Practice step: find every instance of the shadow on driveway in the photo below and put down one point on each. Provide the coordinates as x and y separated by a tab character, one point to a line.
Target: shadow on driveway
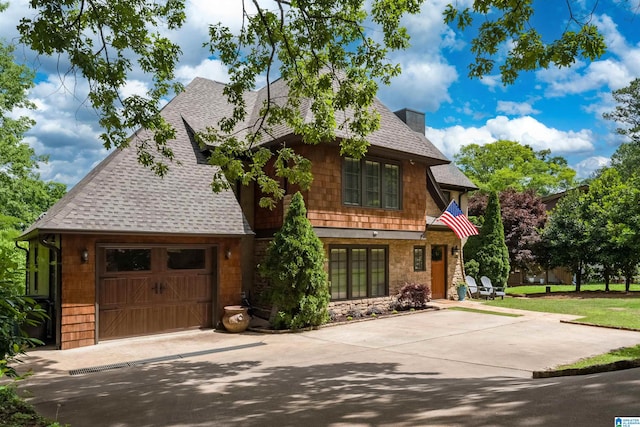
201	393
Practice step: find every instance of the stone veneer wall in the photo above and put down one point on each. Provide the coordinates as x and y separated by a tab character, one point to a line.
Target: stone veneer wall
400	265
343	308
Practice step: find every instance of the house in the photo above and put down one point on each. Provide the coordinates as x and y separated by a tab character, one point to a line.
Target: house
127	253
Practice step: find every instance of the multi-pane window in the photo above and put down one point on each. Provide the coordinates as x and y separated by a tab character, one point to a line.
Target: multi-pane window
351	182
419	263
358	271
371	183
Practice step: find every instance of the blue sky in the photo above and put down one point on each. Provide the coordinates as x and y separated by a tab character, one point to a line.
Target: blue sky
556	109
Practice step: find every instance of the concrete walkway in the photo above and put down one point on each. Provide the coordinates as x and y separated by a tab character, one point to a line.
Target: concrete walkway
440	367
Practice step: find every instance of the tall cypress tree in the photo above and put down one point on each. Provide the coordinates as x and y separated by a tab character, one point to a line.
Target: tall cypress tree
492	254
294	268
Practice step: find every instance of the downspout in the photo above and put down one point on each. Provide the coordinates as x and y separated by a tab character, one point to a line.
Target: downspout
26	276
57	303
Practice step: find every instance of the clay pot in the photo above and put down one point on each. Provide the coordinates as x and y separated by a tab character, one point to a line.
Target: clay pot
236	318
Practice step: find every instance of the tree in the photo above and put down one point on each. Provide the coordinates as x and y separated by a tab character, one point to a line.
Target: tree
319	49
23	196
294	269
597	212
507	164
523	216
566	235
623	226
491	252
627	114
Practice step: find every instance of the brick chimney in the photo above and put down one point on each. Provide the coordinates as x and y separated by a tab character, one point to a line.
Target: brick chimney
414	119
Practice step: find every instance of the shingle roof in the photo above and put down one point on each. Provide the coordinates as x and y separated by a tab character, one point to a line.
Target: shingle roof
393	133
450	175
120	195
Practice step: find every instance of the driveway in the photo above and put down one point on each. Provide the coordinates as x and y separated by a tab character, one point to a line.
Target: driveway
441	367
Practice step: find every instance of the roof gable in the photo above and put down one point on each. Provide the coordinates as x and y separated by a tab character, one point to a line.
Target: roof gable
122	196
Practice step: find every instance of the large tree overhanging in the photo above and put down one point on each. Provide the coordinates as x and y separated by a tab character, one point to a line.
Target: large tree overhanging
299	41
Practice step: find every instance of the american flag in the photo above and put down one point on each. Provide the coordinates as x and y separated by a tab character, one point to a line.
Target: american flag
456	220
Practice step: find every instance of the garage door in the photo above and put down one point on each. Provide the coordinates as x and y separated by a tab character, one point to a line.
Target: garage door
147	290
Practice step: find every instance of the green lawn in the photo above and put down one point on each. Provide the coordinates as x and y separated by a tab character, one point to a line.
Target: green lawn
541	289
627	353
615	312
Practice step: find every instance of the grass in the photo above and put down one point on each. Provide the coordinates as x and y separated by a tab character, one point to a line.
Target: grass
626	353
541	289
475	310
611	312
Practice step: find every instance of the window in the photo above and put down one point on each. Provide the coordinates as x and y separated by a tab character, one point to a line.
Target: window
371	183
419	258
358	271
185	259
447	196
128	260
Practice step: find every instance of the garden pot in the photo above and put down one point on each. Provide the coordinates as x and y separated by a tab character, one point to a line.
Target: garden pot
462	292
236	318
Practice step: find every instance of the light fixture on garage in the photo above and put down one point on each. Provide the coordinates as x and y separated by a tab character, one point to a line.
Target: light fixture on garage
227	253
455	250
84	256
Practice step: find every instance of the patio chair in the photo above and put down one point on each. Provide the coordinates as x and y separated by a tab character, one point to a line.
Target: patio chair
472	286
496	291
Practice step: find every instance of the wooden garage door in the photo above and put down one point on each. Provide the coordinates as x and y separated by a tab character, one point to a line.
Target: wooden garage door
147	290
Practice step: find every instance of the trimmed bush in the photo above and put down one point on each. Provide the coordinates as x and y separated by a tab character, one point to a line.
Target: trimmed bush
294	268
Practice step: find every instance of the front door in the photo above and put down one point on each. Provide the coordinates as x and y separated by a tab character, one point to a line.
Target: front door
154	289
438	271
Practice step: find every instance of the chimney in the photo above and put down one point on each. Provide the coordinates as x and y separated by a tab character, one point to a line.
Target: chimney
414	119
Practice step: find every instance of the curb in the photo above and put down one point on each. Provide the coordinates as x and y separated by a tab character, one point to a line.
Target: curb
620	328
609	367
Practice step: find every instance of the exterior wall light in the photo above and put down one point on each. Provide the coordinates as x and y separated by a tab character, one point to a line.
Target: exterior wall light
84	256
227	254
455	251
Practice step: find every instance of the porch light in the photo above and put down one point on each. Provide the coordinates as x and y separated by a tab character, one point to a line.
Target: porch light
84	256
227	254
454	250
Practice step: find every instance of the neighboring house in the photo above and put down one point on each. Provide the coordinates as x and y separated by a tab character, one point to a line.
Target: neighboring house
128	253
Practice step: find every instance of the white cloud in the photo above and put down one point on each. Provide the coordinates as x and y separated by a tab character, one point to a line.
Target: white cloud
588	166
426	73
526	130
516	108
208	68
423	85
529	131
613	72
492	82
450	140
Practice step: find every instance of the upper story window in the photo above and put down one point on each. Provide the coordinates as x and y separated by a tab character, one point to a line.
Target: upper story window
371	183
447	196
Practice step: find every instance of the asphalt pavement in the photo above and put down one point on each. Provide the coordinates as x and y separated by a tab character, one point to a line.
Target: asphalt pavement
433	368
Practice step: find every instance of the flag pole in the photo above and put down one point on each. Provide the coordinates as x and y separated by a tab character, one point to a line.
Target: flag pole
427	225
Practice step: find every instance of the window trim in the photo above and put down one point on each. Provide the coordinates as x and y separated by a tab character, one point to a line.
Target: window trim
382	189
423	257
369	270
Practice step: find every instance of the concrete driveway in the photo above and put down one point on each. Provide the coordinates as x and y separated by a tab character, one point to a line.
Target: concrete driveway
441	367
